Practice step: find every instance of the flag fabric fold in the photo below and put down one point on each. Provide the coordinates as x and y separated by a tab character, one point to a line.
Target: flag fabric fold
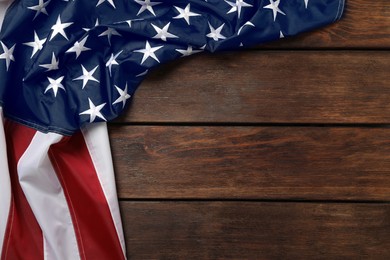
5	183
63	203
67	63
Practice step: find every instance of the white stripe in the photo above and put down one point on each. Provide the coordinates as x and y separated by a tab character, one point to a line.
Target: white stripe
4	4
46	197
5	183
97	141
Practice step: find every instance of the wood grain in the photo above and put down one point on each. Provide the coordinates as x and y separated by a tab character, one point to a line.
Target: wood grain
268	86
252	230
365	24
232	192
310	163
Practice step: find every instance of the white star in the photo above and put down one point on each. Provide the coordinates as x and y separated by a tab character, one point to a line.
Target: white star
281	35
236	7
246	24
274	6
87	76
129	22
59	27
189	51
37	44
123	96
94	111
53	65
163	33
185	13
79	47
55	84
40	8
112	61
216	33
96	24
149	52
110	1
8	54
109	32
306	3
146	5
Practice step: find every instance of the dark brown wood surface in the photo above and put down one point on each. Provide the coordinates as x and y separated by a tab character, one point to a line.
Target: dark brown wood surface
312	163
254	230
268	86
277	152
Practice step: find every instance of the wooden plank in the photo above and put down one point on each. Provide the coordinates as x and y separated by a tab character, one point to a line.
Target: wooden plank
365	24
314	163
268	86
252	230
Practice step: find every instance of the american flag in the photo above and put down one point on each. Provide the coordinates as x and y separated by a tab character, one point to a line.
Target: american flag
67	63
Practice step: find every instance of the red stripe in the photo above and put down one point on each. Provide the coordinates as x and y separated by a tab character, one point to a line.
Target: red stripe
95	229
23	238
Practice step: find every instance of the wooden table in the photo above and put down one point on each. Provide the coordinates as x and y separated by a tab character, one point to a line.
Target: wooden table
278	152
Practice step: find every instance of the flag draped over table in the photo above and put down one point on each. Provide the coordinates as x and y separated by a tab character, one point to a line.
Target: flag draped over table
67	63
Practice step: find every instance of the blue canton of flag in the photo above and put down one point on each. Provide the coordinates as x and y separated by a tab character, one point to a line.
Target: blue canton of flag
64	63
